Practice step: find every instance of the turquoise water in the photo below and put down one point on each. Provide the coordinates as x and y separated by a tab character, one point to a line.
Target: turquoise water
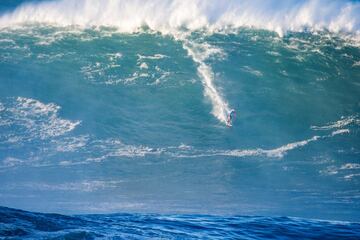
97	120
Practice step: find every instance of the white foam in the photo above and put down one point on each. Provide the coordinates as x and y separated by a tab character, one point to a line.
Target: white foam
184	147
340	131
356	64
154	57
348	166
271	153
114	56
133	151
95	150
350	176
81	186
113	148
70	144
170	15
200	52
130	79
273	53
330	170
278	152
252	71
2	108
8	41
37	119
164	75
143	66
343	122
11	162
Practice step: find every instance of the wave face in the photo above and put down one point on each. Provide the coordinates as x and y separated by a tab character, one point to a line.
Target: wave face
121	106
21	224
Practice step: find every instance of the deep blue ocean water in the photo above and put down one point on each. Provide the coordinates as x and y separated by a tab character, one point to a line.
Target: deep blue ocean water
121	106
28	225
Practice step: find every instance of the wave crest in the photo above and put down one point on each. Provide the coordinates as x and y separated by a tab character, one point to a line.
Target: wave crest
167	16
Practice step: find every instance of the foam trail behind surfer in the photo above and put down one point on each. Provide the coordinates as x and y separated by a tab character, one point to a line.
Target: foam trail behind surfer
200	52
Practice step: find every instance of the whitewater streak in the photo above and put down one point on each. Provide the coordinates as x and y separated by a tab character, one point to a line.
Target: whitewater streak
199	52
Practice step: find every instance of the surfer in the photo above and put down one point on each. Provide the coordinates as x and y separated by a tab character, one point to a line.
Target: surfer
231	117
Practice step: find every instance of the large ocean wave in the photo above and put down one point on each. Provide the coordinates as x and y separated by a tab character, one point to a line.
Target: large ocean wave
113	106
178	18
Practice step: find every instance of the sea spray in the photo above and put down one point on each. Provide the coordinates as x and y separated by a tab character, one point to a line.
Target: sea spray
168	16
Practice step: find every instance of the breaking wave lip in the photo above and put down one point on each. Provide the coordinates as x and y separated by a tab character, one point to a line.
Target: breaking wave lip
167	16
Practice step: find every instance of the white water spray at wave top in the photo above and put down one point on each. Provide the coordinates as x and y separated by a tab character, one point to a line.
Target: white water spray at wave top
168	16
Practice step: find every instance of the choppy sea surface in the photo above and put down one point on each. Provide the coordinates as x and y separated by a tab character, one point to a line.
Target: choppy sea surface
121	107
17	224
